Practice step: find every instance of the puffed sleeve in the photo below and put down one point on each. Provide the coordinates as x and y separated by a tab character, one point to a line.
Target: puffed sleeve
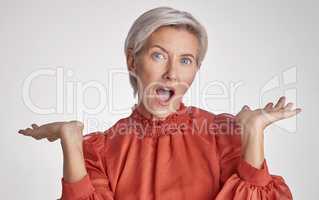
95	185
239	179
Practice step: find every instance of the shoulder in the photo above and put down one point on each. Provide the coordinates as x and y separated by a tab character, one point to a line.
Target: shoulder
197	111
94	143
222	126
221	120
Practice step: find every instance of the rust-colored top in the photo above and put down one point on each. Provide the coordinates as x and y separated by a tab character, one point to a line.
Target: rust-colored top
192	154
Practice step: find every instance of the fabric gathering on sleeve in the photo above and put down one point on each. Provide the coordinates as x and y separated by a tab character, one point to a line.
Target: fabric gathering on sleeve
239	179
95	184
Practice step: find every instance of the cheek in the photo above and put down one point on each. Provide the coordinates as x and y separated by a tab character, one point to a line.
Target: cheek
149	71
188	75
148	76
186	79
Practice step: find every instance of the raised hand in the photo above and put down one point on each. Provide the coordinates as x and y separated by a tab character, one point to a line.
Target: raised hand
261	118
253	123
52	131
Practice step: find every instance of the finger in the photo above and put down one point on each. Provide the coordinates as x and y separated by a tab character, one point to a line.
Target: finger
292	113
298	110
21	131
288	106
269	106
34	126
29	131
51	139
283	114
245	107
280	103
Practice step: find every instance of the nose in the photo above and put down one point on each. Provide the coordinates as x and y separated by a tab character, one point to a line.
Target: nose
171	72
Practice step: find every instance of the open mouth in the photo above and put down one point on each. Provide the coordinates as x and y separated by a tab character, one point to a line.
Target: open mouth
165	93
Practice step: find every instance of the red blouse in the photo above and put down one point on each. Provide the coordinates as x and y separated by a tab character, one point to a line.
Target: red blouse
192	154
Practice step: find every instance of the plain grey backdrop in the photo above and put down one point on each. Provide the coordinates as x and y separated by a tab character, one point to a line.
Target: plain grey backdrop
63	60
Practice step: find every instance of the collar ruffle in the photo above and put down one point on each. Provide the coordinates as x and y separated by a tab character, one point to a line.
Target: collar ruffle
177	122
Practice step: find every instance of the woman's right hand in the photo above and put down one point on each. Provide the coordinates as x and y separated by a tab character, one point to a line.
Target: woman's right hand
54	131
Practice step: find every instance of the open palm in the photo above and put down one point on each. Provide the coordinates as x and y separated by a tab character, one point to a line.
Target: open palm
52	131
263	117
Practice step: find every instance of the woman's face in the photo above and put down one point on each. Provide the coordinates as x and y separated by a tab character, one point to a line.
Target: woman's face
165	69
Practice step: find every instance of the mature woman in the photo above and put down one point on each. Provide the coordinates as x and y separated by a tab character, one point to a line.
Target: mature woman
165	149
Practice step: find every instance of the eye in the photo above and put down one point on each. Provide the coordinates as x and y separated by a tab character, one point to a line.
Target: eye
158	56
186	61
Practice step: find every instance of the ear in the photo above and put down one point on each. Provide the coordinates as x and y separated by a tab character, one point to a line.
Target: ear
130	60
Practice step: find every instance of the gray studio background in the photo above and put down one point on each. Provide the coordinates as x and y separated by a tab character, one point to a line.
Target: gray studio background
63	60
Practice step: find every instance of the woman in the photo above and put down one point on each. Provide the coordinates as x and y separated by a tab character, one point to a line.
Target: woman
165	149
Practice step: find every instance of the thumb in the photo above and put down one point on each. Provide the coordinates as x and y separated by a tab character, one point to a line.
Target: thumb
245	107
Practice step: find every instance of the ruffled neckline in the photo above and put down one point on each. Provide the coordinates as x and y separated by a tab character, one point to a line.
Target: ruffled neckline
175	122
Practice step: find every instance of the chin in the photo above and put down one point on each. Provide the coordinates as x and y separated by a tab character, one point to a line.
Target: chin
159	110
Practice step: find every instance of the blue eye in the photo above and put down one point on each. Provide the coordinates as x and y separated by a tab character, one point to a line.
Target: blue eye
157	56
186	61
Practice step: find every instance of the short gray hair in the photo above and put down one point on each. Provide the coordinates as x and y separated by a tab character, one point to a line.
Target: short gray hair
155	18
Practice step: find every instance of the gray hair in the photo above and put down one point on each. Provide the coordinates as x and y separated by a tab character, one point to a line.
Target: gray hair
155	18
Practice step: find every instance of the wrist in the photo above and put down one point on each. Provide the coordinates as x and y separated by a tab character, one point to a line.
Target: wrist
71	132
253	151
253	128
73	138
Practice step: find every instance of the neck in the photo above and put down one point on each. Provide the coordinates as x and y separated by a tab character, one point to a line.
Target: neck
149	115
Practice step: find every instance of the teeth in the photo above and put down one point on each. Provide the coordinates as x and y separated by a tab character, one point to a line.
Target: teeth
163	88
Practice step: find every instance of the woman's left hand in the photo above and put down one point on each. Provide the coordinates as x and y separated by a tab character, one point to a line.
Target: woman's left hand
253	124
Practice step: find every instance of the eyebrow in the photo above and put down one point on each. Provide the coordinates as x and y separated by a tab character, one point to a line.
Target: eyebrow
158	46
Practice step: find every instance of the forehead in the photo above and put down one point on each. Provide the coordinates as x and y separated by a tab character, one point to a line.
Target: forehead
174	40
